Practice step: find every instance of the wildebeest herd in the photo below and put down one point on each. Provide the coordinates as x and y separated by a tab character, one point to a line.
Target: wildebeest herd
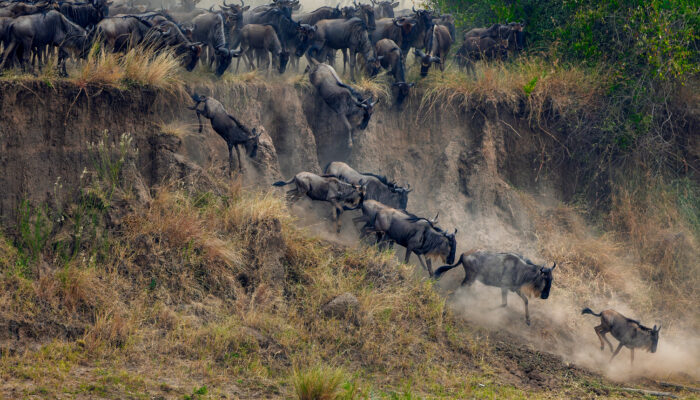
370	37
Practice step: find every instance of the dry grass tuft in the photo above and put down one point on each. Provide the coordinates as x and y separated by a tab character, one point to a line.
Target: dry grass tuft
379	87
175	128
542	85
140	66
318	383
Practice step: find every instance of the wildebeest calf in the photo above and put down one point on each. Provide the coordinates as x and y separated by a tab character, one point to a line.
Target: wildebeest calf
262	39
630	333
325	188
509	271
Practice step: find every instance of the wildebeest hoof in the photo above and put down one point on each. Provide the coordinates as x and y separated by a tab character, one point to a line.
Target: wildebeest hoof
527	322
349	144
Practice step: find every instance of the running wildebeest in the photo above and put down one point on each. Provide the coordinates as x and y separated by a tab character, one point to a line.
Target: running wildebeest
509	271
228	127
418	235
378	187
325	188
341	98
630	333
47	29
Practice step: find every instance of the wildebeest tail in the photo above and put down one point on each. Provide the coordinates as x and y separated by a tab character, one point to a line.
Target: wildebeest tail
446	268
589	311
283	183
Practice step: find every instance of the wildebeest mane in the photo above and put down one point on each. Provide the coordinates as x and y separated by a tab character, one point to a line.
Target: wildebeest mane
383	179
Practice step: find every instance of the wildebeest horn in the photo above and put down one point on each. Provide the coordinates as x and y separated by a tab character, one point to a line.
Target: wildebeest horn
396	22
242	3
436	217
413	8
554	266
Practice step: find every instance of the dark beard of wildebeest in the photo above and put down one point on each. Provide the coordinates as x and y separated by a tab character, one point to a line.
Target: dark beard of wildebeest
350	35
384	9
341	98
85	14
228	127
438	45
378	187
324	188
391	59
209	29
509	271
479	48
630	333
167	35
418	235
39	30
233	21
261	39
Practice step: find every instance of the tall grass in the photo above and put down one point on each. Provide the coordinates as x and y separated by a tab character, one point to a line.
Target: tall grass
139	66
318	383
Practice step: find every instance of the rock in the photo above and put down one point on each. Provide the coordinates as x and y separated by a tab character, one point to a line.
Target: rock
341	305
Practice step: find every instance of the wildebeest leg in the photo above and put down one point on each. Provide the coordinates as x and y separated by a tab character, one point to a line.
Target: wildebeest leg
337	211
238	156
619	346
601	331
527	311
407	257
352	61
504	297
430	266
344	118
632	353
422	263
62	55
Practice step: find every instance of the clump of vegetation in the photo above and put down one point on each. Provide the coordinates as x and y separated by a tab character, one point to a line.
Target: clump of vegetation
318	383
141	66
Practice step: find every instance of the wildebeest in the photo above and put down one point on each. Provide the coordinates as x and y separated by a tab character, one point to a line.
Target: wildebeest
209	29
630	333
438	47
318	14
17	9
416	38
341	98
47	29
85	14
262	39
325	188
418	235
350	35
447	20
391	59
512	32
365	12
122	33
509	271
479	48
384	8
378	187
228	127
167	35
395	29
